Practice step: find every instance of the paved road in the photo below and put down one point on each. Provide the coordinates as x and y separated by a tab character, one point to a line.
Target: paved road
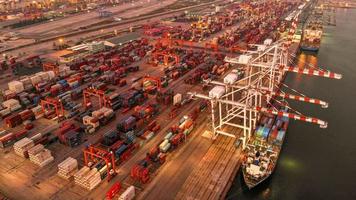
46	43
74	22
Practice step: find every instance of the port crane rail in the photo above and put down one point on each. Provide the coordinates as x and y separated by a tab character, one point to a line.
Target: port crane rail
244	100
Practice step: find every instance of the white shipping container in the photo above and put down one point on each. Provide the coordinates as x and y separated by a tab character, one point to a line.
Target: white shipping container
8	92
177	99
5	112
16	86
15	108
51	74
25	80
217	92
129	194
44	76
11	103
165	148
261	47
230	78
268	41
244	59
35	79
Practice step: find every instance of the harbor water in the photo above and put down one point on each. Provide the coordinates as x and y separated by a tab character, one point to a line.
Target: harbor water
318	163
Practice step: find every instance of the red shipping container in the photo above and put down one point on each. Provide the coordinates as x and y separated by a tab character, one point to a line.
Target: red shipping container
156	128
21	134
27	115
151	125
13	120
7	139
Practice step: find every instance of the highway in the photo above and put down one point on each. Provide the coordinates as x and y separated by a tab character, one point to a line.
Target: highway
73	23
44	45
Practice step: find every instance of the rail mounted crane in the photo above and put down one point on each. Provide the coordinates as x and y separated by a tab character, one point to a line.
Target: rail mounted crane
167	41
94	155
51	67
89	92
148	86
166	57
52	104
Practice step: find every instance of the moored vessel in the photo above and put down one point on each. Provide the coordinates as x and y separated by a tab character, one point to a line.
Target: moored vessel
263	149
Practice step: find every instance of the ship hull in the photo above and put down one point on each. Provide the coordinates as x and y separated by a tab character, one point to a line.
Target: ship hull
310	49
252	181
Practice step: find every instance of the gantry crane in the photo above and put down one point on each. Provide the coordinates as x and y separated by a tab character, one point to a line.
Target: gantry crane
89	92
241	102
51	67
155	80
167	41
53	104
166	56
94	155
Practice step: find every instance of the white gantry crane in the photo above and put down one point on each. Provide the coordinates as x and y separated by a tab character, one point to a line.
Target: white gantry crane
238	101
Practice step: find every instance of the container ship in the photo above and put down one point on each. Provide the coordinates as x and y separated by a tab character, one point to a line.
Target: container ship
262	151
312	34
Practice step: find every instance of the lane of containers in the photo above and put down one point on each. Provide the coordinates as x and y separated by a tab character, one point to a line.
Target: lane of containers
175	137
68	85
261	20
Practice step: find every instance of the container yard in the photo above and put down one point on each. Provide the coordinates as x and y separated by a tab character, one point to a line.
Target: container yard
147	99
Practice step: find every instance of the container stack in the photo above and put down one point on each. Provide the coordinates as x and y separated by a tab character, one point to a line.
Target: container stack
22	146
35	79
38	112
40	156
87	178
27	84
24	99
104	115
12	104
67	168
44	76
91	123
64	71
16	86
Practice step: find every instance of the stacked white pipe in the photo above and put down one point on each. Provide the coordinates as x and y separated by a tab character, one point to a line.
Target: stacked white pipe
40	156
67	168
87	178
11	105
16	86
22	146
42	77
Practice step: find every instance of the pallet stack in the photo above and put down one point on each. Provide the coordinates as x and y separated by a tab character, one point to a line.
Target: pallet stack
22	146
67	168
40	156
87	178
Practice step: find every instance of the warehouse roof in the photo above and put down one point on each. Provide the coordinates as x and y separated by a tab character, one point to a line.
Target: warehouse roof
123	39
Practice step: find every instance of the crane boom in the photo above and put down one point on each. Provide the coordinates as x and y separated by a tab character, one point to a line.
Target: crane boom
314	72
323	124
297	98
